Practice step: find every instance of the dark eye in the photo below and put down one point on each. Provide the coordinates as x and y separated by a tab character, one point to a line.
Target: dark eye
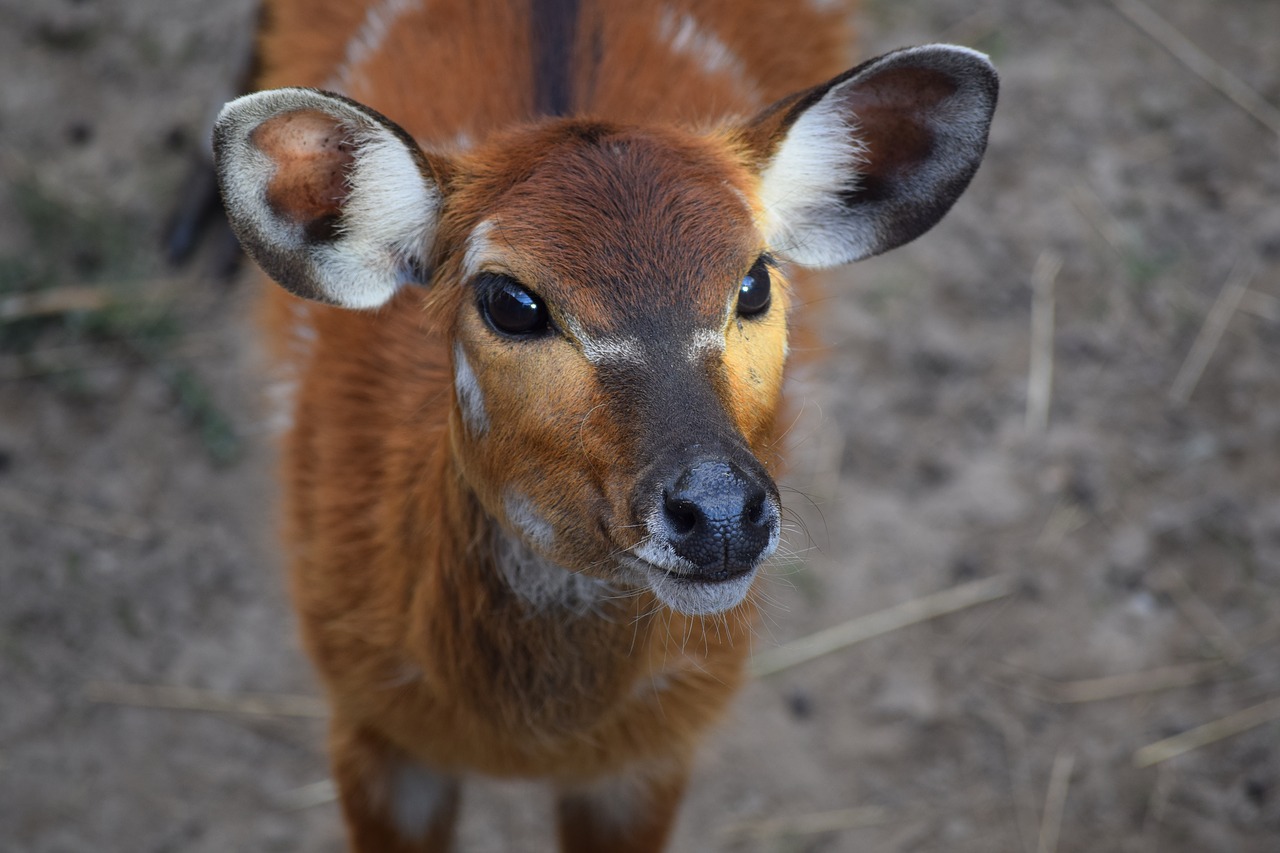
753	296
511	308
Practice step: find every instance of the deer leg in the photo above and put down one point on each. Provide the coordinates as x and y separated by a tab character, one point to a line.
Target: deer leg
626	814
391	803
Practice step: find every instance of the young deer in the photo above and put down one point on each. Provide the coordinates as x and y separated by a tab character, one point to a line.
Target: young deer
539	361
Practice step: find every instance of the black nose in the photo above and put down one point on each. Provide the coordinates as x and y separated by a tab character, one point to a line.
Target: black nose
719	518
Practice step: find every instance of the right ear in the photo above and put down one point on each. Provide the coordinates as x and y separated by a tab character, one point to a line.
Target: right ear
334	201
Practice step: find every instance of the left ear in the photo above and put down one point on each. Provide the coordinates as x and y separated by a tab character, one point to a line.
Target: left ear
874	158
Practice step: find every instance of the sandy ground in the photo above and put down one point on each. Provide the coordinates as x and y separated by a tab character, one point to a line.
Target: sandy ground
1140	527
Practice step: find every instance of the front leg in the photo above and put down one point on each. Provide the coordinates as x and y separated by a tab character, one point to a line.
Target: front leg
391	803
631	813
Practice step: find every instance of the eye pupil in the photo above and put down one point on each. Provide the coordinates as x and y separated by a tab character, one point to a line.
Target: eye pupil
511	308
753	295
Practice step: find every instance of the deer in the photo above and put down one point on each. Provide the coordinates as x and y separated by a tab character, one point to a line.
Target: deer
538	263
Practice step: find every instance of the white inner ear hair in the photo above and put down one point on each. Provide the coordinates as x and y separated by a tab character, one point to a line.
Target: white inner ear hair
800	189
385	226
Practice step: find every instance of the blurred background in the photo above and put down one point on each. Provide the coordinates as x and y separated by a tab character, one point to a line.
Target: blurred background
1069	391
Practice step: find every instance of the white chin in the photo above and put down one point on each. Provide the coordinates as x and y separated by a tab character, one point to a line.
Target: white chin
695	597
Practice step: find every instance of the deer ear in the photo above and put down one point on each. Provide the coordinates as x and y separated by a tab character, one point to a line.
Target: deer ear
873	158
334	201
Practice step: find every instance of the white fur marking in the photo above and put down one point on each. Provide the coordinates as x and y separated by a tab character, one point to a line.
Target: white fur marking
703	341
528	523
606	350
479	249
541	583
368	40
416	797
470	396
612	350
616	799
681	33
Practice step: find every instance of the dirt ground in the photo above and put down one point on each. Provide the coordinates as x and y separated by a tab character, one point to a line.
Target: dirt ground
1140	522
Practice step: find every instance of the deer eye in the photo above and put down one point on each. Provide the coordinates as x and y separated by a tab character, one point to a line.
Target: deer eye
511	308
753	295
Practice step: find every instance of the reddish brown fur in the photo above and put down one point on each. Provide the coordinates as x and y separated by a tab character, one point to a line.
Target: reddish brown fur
410	624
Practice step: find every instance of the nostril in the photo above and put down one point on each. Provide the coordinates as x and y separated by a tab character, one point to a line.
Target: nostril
683	514
754	510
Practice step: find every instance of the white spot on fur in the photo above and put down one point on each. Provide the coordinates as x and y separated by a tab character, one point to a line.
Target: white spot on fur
416	797
542	584
470	396
368	40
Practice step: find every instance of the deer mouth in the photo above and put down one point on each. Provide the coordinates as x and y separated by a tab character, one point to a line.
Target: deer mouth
688	590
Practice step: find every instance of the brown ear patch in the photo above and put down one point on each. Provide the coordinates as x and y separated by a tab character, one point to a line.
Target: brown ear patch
313	154
893	111
894	114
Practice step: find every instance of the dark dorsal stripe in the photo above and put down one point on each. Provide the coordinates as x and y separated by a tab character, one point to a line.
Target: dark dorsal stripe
553	30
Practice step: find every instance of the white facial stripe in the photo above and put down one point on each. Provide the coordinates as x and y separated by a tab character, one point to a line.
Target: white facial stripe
606	350
470	397
479	249
416	797
612	350
704	341
368	40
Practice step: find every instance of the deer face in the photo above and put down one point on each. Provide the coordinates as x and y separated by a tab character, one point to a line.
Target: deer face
619	352
619	312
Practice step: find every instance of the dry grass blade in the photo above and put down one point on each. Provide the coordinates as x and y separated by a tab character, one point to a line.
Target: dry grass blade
873	625
309	796
1132	684
1262	305
1201	615
1237	723
1055	801
1200	63
58	300
1040	372
1224	308
810	824
192	699
1112	232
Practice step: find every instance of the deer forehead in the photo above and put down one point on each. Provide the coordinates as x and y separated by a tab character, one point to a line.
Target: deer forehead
623	233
